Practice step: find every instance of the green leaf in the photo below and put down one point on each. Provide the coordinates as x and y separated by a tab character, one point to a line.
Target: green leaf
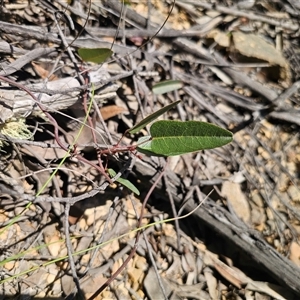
124	182
152	117
169	138
95	55
144	145
167	86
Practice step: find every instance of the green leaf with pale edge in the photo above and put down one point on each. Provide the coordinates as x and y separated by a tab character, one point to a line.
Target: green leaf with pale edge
152	117
124	182
169	138
144	143
167	86
95	55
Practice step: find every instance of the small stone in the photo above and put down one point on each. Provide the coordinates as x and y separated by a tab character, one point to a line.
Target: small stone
9	266
294	193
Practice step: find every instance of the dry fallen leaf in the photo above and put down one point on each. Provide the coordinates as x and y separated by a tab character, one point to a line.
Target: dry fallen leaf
92	283
220	37
152	287
211	283
253	45
295	253
42	72
233	193
110	111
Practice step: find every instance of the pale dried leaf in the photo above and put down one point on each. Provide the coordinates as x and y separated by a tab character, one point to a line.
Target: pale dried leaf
42	72
175	269
211	283
92	283
110	111
152	286
252	45
220	37
67	284
188	261
38	278
295	253
233	193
